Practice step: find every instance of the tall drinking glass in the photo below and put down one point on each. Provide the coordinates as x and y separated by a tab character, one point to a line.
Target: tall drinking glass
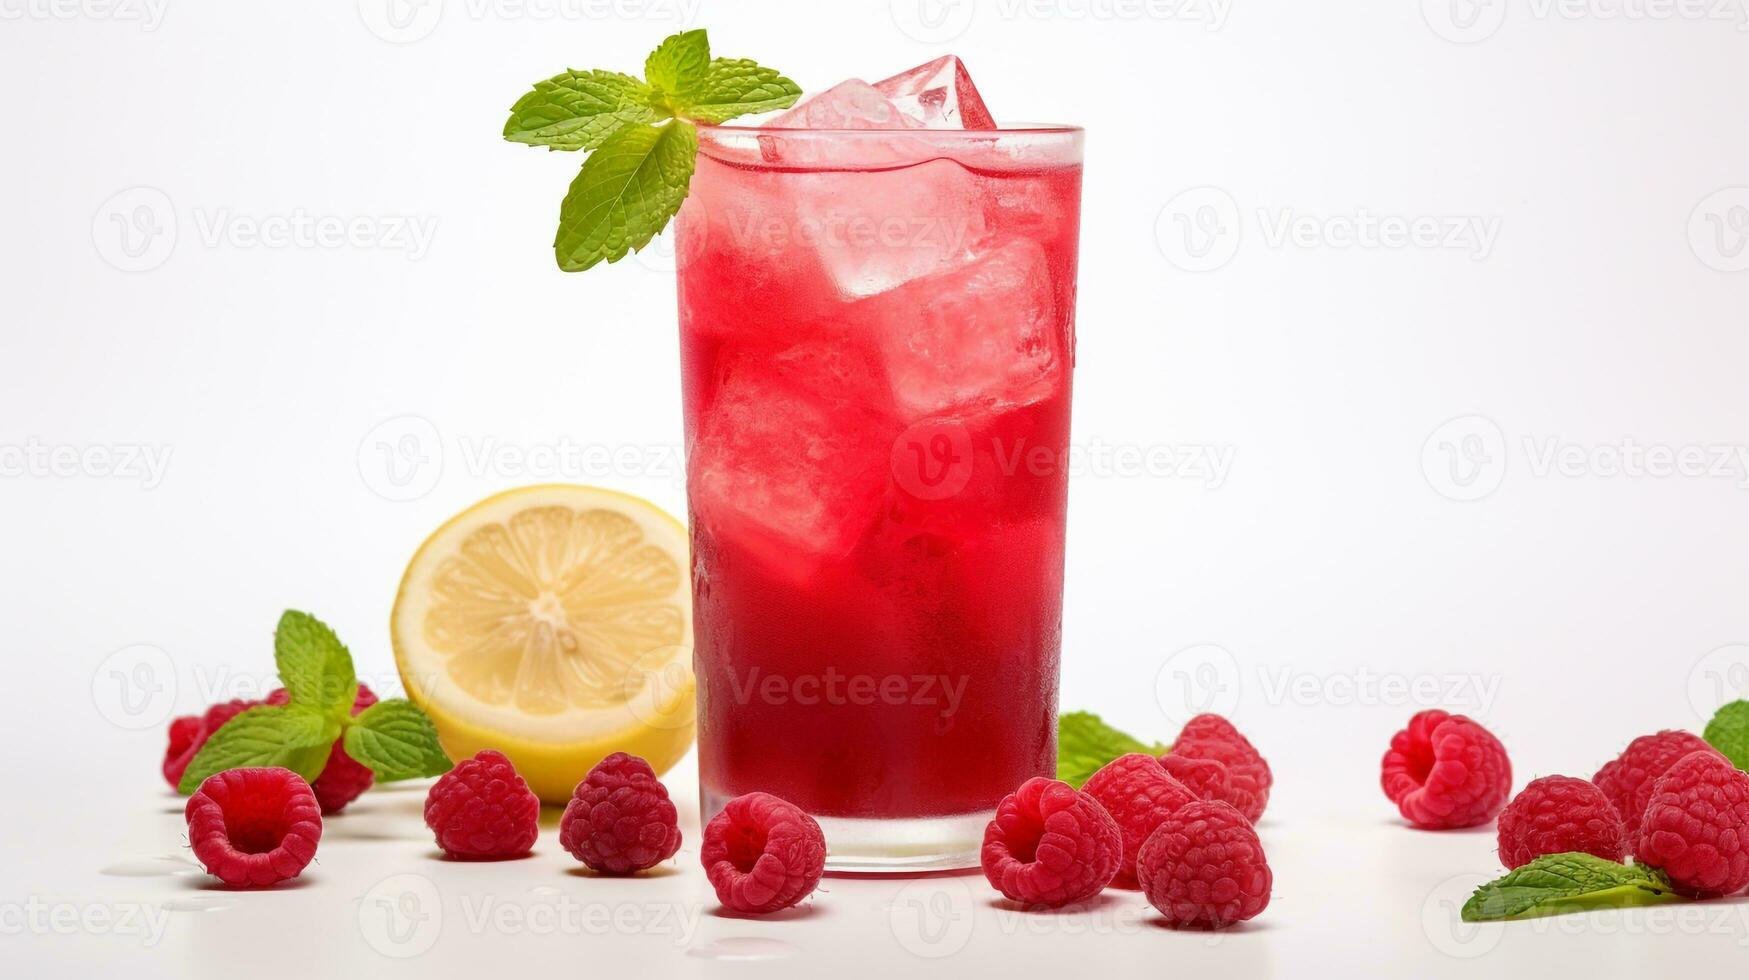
877	336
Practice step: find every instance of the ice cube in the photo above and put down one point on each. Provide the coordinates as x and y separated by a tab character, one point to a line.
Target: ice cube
790	461
984	336
885	227
854	104
938	95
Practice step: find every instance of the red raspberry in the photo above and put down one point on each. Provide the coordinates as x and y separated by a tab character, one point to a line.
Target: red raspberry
1205	777
1697	826
254	827
190	732
620	819
1445	771
343	778
1559	815
1628	780
1213	738
1050	845
1138	793
482	810
1204	866
762	854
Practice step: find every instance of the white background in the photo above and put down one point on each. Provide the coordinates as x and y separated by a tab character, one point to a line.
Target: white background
1355	559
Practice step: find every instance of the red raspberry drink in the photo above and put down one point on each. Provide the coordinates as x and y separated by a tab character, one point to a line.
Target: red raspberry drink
877	333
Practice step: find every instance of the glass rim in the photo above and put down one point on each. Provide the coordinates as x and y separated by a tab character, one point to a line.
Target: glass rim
1018	129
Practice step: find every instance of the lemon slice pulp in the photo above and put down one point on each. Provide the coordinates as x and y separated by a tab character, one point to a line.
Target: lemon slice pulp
552	623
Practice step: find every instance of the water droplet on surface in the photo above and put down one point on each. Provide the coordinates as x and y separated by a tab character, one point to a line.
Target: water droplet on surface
152	867
743	949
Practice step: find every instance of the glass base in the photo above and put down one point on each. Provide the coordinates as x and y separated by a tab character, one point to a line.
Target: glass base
893	845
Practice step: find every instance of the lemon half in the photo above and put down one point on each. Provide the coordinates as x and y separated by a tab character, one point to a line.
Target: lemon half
554	624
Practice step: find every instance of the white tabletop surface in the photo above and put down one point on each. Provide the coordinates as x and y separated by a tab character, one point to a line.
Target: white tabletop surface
1361	894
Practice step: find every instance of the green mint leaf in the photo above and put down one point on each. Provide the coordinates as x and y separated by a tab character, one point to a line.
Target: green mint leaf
732	87
1555	884
397	741
297	737
579	109
1729	733
314	665
1085	743
628	189
678	62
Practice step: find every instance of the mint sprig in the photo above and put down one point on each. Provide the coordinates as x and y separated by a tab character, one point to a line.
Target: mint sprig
393	738
1556	884
641	139
1085	743
1729	733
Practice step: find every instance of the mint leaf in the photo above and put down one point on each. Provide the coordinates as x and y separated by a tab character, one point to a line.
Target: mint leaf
732	87
314	665
629	188
1729	733
1556	884
578	110
397	741
678	62
1085	743
297	737
637	172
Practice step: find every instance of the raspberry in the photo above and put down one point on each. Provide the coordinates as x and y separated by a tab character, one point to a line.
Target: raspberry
1445	771
1559	815
1050	845
1138	793
343	779
1697	826
762	854
1214	739
190	732
1628	780
254	827
482	810
620	819
1204	866
1205	777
